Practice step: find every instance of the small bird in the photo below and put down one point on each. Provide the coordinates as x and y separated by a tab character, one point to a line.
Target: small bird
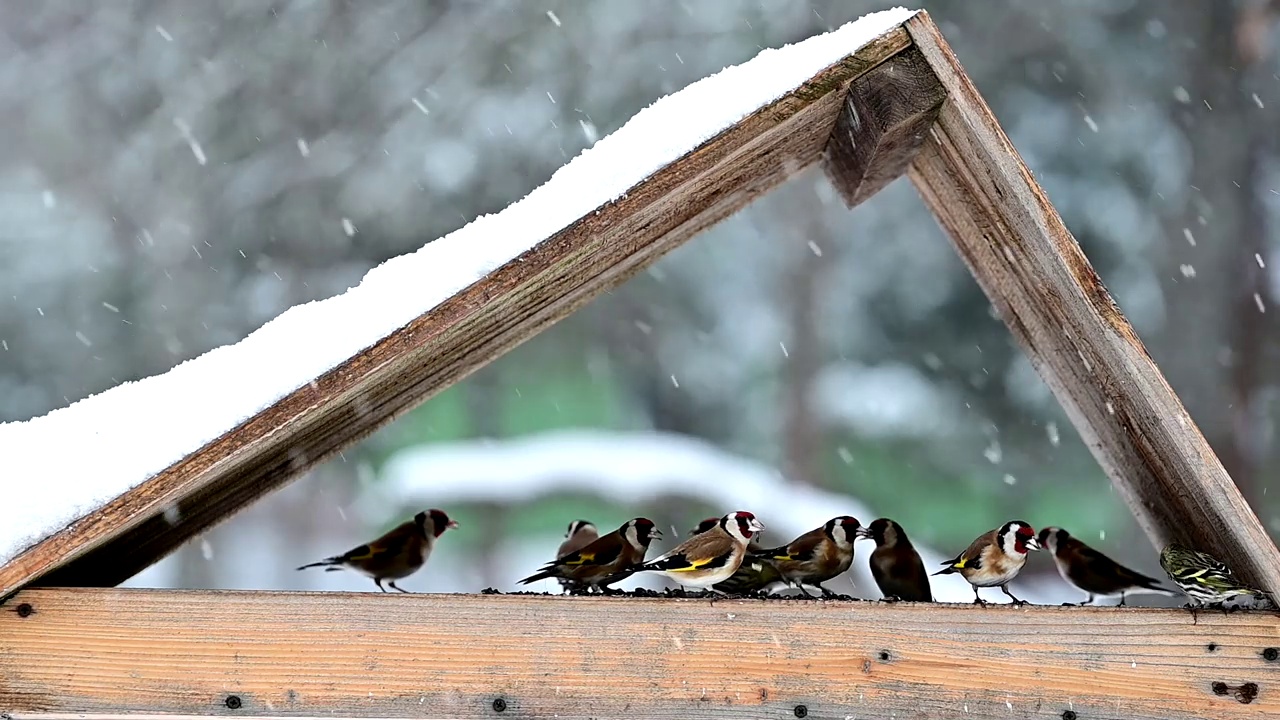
709	557
580	534
399	553
1208	581
994	558
605	560
753	574
816	556
895	565
1091	571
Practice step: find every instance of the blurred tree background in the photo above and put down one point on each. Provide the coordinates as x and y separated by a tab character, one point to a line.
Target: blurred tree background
177	173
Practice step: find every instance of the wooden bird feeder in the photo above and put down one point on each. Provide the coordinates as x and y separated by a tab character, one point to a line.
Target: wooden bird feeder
74	646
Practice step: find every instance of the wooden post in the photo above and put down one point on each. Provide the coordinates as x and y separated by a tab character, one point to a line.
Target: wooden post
1058	310
97	653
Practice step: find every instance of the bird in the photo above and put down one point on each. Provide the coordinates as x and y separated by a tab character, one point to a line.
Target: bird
816	556
580	534
994	558
754	574
605	560
1091	571
895	565
709	557
399	553
1208	581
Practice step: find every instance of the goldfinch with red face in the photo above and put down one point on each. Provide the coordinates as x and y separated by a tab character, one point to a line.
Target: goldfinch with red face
753	574
994	559
579	535
710	557
816	556
399	553
1091	571
605	560
895	565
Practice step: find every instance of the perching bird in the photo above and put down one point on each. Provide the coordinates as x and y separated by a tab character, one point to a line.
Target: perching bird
895	565
994	558
605	560
396	555
753	574
580	534
1207	580
816	556
710	557
1091	571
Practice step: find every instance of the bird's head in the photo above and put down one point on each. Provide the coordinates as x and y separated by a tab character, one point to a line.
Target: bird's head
842	530
434	522
1017	537
705	525
578	526
640	531
1052	537
884	531
741	524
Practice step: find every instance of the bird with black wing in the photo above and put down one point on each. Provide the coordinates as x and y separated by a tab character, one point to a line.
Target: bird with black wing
994	559
396	555
1091	571
710	557
605	560
895	565
1206	580
816	556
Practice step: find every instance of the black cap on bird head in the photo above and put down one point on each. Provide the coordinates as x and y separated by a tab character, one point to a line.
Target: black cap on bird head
434	522
578	525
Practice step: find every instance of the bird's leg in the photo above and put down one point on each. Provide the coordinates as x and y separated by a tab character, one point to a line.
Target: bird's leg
977	599
826	593
892	599
1121	600
1016	601
804	590
393	584
378	582
1088	600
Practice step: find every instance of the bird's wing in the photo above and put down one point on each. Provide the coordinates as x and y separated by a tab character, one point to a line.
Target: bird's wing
703	552
601	552
801	549
971	558
389	545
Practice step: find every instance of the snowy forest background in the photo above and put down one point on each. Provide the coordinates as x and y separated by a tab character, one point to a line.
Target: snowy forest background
177	173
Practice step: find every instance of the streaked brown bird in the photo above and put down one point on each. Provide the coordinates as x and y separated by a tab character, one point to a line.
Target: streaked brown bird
399	553
994	559
710	557
895	565
752	575
816	556
605	560
580	534
1091	571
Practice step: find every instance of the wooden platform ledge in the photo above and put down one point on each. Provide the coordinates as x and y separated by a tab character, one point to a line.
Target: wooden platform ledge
93	652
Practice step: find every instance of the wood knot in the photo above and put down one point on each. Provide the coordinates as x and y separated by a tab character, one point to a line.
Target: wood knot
1246	693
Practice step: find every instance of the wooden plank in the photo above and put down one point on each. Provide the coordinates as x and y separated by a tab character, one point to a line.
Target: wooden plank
1045	290
885	119
490	317
118	651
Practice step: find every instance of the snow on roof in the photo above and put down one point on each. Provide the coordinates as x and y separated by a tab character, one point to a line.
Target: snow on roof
88	453
632	469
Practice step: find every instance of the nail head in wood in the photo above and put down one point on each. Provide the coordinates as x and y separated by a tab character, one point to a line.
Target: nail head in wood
1270	654
24	610
882	123
802	711
233	702
499	705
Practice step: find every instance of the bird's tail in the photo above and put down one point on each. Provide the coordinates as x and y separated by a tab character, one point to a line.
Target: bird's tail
327	563
946	570
536	577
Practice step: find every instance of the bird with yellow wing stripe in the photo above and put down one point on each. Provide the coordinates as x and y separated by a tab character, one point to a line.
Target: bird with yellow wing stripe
994	559
399	553
709	557
580	534
604	561
816	556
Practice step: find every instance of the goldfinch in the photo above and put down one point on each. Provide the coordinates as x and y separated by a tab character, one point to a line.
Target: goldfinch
753	574
399	553
580	534
1208	581
1091	571
709	557
994	559
605	560
816	556
895	565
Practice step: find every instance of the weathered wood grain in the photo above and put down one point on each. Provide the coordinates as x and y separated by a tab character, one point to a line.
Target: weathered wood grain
490	317
1045	290
882	124
117	651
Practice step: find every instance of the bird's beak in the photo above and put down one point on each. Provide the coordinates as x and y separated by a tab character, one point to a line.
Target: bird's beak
755	525
655	533
862	533
451	524
1033	543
